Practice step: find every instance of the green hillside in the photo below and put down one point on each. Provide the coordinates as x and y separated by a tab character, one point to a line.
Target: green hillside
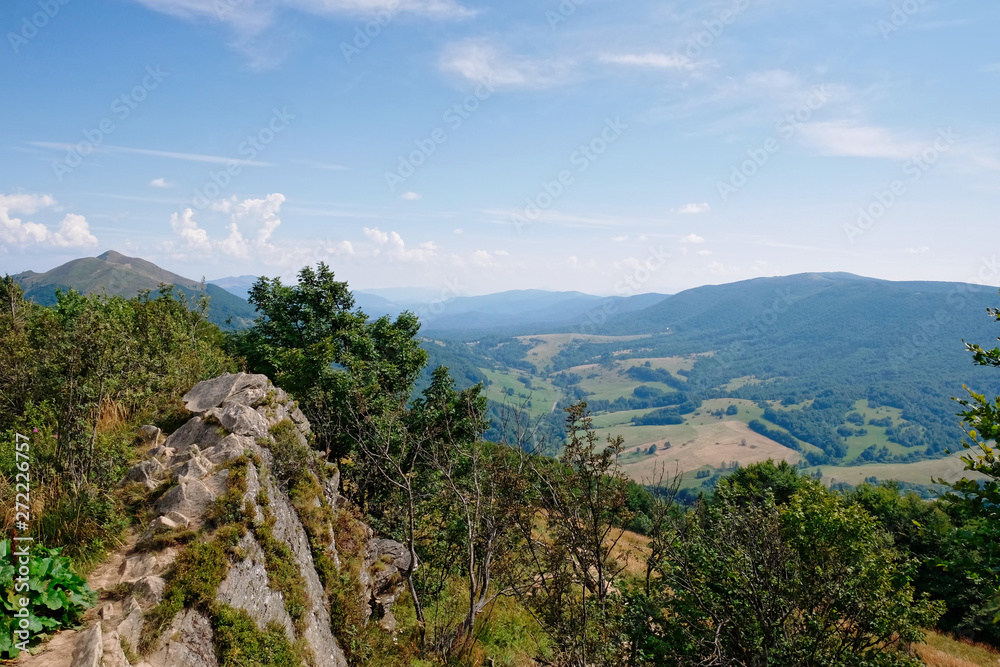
115	274
840	370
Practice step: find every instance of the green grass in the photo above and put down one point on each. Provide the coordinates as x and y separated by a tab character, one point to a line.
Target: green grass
542	393
547	346
611	383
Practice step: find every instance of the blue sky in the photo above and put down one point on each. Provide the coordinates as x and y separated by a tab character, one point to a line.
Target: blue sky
470	147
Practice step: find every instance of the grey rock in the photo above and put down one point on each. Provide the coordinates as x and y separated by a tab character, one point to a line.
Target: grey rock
161	524
137	566
212	393
240	419
179	519
146	472
242	589
162	451
113	655
217	483
188	643
149	433
196	466
191	497
252	395
107	611
195	431
288	529
274	415
130	629
231	447
89	648
382	577
150	588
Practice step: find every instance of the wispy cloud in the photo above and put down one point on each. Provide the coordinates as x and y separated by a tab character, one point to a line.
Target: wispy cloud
410	196
653	60
480	60
190	157
847	138
325	166
160	183
692	238
694	209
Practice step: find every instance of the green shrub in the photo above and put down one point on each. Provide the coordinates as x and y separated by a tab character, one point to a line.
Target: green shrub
240	643
57	596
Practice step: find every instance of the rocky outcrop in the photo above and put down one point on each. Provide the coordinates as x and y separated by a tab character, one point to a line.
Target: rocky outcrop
213	473
210	484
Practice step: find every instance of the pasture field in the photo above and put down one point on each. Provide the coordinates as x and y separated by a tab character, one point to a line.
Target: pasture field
696	446
542	393
950	468
547	346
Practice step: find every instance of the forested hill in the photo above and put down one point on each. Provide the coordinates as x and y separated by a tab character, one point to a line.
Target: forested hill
115	274
812	349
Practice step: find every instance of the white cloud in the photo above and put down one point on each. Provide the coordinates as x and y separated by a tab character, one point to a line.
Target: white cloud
483	260
849	139
73	232
410	196
184	226
692	238
917	251
704	252
393	246
249	18
160	183
655	60
250	230
619	239
458	230
691	209
718	269
478	60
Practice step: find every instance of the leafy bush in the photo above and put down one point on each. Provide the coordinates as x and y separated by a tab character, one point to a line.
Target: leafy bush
57	596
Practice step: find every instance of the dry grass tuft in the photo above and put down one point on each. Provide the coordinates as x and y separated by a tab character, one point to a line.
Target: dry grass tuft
944	651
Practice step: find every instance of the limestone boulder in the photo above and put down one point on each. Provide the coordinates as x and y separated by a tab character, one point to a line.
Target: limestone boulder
196	431
213	393
190	497
89	648
148	473
188	643
240	419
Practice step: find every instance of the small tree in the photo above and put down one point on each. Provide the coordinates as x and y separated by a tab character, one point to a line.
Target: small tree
977	501
813	582
583	506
